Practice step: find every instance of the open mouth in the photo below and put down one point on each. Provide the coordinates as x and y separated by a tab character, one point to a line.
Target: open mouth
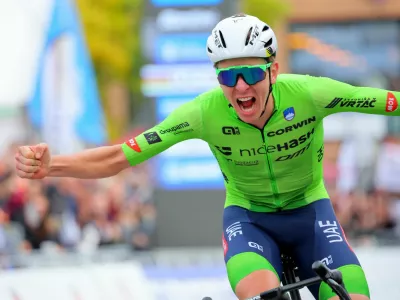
246	104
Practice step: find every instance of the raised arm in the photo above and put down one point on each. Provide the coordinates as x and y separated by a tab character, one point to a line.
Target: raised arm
331	96
35	162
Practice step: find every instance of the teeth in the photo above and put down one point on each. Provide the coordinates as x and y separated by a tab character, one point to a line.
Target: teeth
245	99
247	108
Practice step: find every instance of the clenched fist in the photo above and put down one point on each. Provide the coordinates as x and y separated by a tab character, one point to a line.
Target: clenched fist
33	162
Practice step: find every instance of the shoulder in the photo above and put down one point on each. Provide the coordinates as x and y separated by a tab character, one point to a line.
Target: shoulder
211	96
301	81
292	80
211	100
296	86
203	104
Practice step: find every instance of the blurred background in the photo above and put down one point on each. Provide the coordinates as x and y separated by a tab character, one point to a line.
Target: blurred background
80	74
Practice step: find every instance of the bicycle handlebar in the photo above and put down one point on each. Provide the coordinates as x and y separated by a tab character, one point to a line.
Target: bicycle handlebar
325	273
333	278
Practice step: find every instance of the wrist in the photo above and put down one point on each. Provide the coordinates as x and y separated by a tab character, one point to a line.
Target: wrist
57	166
50	171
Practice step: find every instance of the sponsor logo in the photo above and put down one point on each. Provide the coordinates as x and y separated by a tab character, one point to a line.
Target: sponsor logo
272	148
363	103
292	127
217	40
293	155
332	231
239	15
233	230
253	151
279	147
183	131
224	150
254	35
133	145
320	153
269	51
175	129
327	260
289	114
391	102
227	130
256	246
244	163
152	137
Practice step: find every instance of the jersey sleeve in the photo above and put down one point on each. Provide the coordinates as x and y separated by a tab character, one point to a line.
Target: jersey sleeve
182	124
331	96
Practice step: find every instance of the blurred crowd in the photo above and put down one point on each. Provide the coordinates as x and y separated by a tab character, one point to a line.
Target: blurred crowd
74	215
365	193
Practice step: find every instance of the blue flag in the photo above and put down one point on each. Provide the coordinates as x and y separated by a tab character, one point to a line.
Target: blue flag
65	106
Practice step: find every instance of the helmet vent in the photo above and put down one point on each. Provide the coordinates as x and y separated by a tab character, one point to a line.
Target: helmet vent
267	44
222	39
209	50
265	28
248	36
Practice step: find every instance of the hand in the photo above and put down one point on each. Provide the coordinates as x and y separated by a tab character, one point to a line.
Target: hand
33	162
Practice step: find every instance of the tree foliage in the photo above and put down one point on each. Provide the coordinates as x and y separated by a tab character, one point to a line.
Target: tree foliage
112	30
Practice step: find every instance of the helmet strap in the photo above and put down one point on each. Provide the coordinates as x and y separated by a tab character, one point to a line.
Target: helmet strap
269	93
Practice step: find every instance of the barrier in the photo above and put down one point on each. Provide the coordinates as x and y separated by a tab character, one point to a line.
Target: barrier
94	282
168	275
190	282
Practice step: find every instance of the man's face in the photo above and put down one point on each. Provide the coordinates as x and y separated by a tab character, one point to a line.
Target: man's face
248	100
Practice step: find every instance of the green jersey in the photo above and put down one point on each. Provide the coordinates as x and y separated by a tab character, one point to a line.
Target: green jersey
274	168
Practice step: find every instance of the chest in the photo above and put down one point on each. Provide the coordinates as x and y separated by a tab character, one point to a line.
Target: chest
240	140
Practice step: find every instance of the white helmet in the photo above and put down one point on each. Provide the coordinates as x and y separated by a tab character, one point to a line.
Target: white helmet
241	36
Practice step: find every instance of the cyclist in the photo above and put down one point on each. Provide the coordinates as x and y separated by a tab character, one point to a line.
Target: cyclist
266	132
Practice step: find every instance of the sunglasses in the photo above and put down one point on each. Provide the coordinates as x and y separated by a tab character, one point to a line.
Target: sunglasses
251	74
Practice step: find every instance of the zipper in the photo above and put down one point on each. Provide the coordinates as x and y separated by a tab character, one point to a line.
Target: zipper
271	171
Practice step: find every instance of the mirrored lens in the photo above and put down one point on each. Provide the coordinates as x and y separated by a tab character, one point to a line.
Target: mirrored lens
253	75
228	78
250	76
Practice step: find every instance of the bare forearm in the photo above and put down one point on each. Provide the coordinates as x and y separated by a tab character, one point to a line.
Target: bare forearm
93	163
